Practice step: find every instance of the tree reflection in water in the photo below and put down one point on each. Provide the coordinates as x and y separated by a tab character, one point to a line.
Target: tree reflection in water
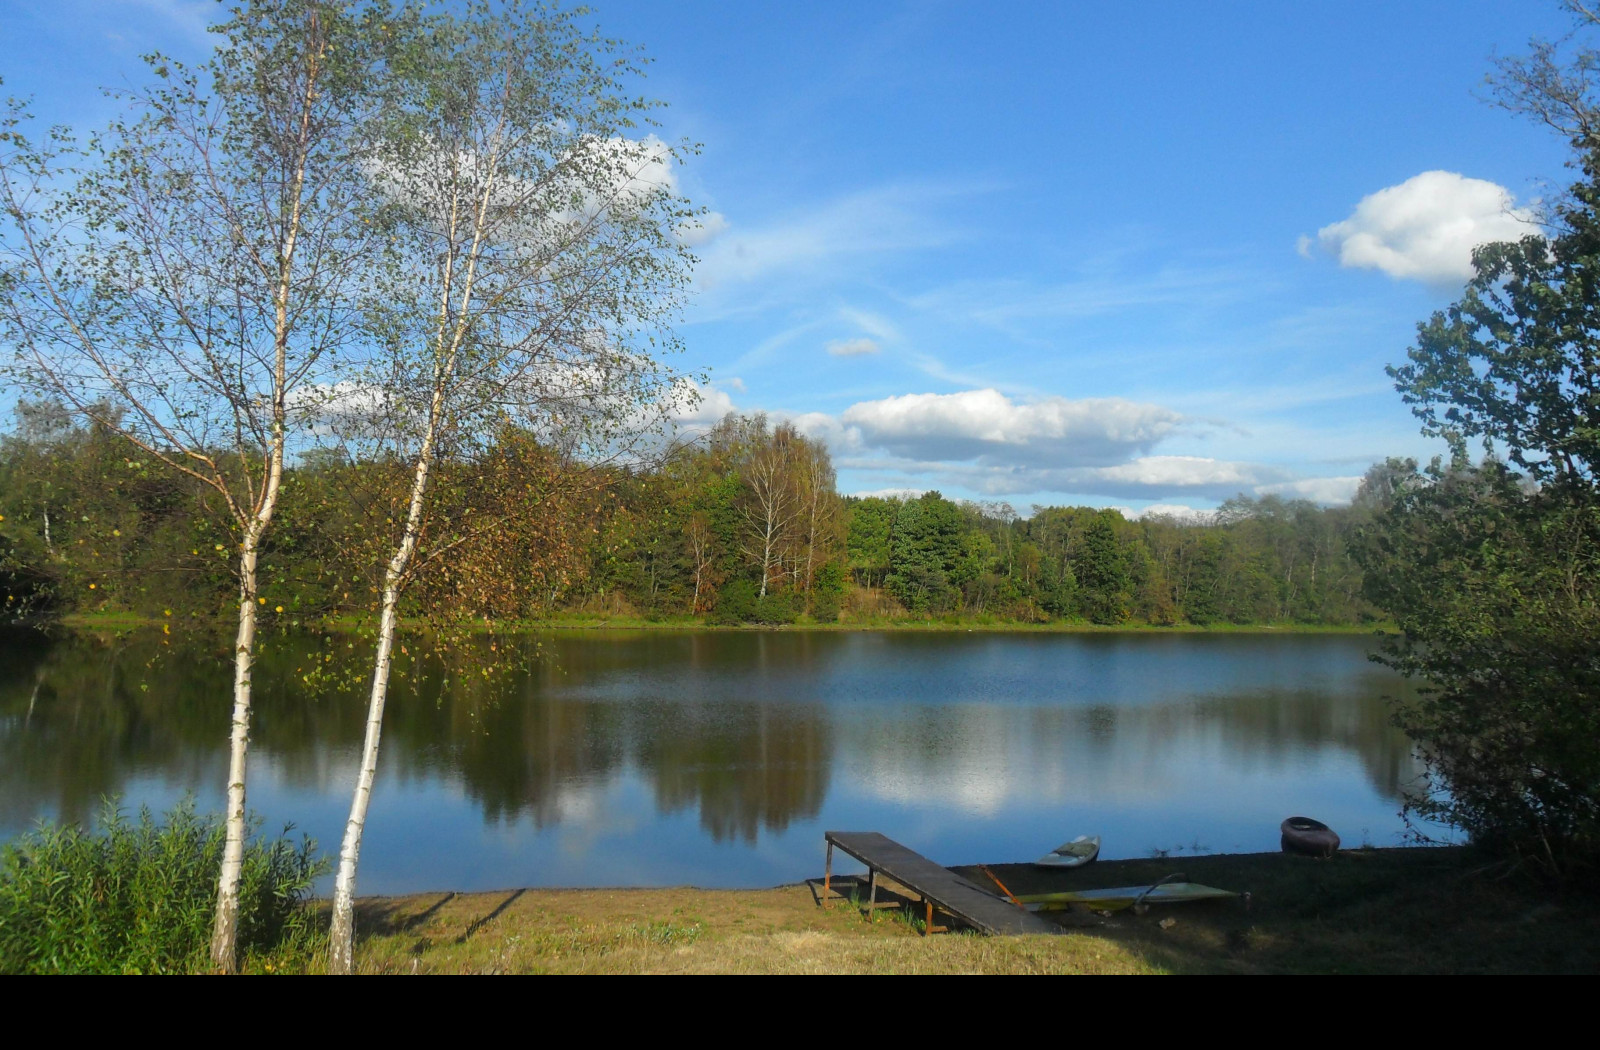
750	732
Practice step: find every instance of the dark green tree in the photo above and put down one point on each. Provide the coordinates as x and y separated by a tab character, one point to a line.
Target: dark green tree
1102	572
924	553
867	538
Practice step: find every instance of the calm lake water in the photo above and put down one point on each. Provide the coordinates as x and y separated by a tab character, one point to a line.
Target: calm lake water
718	758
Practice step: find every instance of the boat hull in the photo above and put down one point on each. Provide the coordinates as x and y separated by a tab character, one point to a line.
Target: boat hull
1074	854
1118	897
1310	837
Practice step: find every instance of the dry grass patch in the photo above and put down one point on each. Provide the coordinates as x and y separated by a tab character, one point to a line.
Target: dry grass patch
692	931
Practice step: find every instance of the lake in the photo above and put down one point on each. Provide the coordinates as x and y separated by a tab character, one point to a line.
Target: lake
718	758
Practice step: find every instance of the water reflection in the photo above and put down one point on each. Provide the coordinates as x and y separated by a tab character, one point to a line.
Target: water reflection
715	757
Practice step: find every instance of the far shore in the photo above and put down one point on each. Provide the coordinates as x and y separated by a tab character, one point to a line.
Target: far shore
1398	910
133	621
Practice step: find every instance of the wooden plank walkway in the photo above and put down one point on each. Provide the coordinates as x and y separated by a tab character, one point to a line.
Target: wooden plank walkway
935	884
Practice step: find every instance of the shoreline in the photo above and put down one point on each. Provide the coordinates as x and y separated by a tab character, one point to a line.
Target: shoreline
1437	909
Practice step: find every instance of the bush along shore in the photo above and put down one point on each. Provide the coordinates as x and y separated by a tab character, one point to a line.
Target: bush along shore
139	895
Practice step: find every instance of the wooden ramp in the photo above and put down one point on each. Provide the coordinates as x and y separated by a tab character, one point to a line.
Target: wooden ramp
937	886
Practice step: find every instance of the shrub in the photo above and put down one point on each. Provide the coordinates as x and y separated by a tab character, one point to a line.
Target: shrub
827	593
139	896
1495	591
777	607
736	602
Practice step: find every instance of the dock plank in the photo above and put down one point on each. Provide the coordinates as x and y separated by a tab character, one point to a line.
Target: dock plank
948	891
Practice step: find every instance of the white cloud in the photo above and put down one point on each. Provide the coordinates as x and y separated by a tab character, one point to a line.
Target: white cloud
852	347
985	443
1169	472
700	406
889	493
1318	490
347	408
822	427
1151	477
703	230
988	426
1176	511
1426	227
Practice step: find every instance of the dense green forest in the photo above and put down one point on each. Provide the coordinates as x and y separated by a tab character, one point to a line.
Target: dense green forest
744	525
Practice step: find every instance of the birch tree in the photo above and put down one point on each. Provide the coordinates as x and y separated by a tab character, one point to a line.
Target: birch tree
178	278
773	504
538	259
821	508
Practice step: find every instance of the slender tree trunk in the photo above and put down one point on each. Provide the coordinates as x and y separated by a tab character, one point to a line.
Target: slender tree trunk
225	929
697	548
766	557
341	957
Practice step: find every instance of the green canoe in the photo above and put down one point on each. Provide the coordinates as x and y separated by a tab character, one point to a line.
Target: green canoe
1119	897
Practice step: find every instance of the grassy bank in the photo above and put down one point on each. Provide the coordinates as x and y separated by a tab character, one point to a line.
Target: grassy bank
1364	911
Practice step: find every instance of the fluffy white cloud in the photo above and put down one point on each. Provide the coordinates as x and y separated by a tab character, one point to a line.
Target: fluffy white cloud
988	426
1426	227
852	347
1318	490
820	426
1181	472
987	444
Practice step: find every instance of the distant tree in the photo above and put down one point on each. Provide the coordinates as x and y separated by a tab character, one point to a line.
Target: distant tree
925	549
1102	572
773	503
871	519
820	510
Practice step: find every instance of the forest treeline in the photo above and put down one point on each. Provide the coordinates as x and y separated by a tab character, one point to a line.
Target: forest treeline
745	525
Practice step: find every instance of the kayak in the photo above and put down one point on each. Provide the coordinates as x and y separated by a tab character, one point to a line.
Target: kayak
1119	897
1074	854
1304	835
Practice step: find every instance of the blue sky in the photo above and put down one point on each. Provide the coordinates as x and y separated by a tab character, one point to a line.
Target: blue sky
1135	255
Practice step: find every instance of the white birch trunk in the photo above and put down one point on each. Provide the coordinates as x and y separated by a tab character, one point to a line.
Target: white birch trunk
342	932
767	554
341	950
225	928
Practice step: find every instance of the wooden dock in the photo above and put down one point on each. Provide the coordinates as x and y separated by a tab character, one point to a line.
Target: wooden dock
937	886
